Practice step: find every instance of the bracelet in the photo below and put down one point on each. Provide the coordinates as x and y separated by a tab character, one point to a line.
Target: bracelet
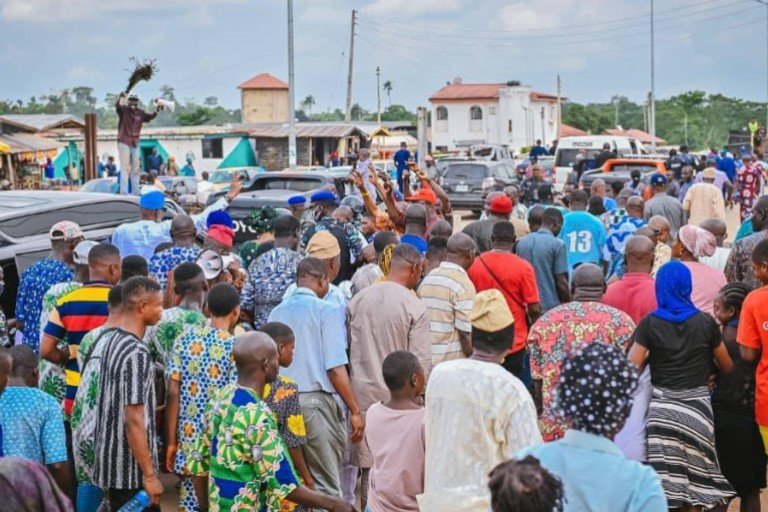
365	193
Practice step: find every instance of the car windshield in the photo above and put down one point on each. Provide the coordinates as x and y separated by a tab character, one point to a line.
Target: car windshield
100	186
628	168
298	184
567	157
220	177
466	171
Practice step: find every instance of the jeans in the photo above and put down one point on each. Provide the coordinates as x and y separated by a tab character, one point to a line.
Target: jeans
129	168
88	497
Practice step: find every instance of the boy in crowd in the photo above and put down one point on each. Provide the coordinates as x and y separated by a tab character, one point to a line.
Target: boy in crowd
397	475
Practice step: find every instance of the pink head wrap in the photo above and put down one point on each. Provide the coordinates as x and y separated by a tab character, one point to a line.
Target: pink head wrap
222	234
698	241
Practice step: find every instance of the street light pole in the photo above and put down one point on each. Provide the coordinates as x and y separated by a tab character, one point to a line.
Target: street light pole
291	94
652	121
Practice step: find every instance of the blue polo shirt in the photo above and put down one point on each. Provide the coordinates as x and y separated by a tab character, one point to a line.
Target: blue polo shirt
548	257
415	241
586	462
584	237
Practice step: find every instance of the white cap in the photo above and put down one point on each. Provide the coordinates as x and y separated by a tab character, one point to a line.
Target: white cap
82	251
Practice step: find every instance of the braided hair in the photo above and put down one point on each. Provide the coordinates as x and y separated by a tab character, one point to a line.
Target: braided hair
524	486
732	296
385	263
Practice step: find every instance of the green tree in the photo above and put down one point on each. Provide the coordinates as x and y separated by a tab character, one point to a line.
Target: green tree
689	102
387	88
195	117
398	113
211	102
358	113
307	104
168	93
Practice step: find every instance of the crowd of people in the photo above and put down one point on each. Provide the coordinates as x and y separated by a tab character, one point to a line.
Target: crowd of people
592	350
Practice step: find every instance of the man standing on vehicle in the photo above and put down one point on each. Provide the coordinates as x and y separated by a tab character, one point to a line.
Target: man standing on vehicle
606	154
674	163
130	120
553	148
537	150
401	162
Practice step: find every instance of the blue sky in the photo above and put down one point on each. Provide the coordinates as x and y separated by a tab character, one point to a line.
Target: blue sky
207	47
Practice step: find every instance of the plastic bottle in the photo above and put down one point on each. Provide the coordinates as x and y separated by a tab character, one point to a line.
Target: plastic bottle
138	503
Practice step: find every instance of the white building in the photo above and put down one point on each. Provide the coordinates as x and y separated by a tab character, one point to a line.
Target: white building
507	114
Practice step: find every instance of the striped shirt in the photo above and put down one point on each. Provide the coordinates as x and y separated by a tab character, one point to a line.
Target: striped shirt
76	314
126	378
448	294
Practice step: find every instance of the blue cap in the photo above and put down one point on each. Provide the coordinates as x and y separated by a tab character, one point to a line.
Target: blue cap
219	218
323	195
152	200
658	179
297	200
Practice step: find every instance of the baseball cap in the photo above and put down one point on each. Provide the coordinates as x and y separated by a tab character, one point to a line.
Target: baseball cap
323	196
152	200
426	195
294	200
490	312
211	263
658	179
323	245
80	257
501	204
66	230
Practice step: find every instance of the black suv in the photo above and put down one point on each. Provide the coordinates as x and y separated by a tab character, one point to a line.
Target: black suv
466	183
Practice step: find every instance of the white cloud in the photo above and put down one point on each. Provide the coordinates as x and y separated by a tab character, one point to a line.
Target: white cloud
47	11
387	8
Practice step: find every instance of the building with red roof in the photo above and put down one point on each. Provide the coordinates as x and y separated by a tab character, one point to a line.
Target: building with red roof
264	99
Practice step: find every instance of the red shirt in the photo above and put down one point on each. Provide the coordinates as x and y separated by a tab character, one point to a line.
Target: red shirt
634	294
515	278
753	333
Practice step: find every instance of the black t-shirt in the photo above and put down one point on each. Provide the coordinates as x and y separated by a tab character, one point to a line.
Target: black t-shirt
735	391
680	355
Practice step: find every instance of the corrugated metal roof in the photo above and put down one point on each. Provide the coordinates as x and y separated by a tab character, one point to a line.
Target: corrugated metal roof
40	122
263	81
24	143
303	130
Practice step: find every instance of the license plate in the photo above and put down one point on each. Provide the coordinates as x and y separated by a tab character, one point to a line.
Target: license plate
462	188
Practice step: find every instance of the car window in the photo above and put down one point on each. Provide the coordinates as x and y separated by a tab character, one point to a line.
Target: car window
297	184
567	157
627	168
466	171
220	177
101	214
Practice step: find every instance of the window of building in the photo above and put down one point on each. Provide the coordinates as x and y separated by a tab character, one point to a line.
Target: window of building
213	148
442	114
475	113
509	126
492	111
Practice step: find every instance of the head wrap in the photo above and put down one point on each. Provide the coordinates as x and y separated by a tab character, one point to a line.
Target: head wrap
698	241
26	485
222	234
594	393
262	221
248	252
219	218
673	293
490	312
323	245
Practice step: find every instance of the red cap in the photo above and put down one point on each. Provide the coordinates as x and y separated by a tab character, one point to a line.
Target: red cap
501	204
424	194
222	234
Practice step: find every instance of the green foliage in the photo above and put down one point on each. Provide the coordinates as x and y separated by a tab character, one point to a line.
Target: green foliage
695	118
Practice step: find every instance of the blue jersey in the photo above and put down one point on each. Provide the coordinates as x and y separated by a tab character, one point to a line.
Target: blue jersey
584	237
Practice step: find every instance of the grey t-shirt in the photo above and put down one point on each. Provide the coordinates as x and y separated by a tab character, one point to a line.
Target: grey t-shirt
668	207
549	258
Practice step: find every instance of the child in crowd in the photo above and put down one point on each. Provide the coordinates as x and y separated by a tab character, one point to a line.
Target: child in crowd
737	436
397	475
752	336
282	397
524	486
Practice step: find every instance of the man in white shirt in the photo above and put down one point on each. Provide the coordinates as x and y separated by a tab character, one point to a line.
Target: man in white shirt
204	188
477	414
720	230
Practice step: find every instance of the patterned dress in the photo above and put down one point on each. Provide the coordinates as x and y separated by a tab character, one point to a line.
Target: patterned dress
749	186
5	340
268	278
563	329
162	263
34	282
52	379
248	462
83	417
174	322
202	363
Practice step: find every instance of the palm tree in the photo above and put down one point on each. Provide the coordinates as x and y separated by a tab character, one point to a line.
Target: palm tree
387	88
308	103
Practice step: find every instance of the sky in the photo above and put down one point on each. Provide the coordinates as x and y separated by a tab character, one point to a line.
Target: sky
600	48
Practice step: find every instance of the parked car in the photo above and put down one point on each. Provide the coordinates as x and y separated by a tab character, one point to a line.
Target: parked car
619	169
101	186
590	146
310	168
443	163
26	216
274	189
465	182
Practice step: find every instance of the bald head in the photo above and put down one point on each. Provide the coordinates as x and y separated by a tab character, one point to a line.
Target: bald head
183	229
760	214
416	214
635	206
660	224
343	214
461	250
640	251
588	283
598	188
648	233
255	355
441	228
717	227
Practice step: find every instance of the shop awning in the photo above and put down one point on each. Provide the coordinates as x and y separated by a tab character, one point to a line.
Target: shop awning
4	148
29	147
240	156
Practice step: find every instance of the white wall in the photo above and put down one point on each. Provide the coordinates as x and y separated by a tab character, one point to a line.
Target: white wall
459	126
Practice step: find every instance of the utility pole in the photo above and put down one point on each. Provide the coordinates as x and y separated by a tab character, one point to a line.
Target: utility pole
291	94
765	3
652	120
348	112
378	95
559	107
616	112
421	134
